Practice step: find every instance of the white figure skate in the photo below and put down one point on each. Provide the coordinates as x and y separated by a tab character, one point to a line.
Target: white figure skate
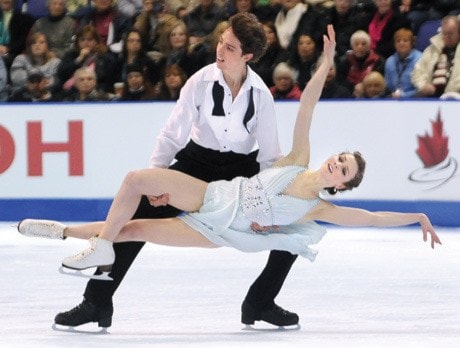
99	254
42	228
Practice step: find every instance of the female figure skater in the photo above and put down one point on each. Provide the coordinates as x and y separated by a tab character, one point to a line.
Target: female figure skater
224	213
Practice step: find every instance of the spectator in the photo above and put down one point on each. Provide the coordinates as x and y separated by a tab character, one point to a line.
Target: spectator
210	45
202	20
86	87
154	23
134	52
372	87
89	52
287	20
333	89
304	58
136	85
399	66
129	7
110	23
275	54
438	70
35	90
344	16
189	58
285	86
37	57
173	81
75	6
57	26
264	13
14	28
359	61
4	86
381	24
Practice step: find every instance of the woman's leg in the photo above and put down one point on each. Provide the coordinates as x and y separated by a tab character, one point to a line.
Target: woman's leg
84	231
185	192
170	232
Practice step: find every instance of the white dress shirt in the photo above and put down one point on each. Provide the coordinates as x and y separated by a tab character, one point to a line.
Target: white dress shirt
192	119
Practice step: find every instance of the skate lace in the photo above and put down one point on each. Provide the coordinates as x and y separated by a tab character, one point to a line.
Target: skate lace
84	253
45	230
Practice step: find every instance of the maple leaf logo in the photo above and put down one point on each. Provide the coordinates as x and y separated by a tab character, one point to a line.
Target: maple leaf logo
433	150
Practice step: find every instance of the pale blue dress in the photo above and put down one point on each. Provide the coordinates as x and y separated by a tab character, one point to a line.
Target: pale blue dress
230	207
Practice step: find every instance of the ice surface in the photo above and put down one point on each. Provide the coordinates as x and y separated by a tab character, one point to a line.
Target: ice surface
367	288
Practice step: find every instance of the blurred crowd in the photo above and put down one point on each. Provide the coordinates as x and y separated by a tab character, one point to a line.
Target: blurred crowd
100	50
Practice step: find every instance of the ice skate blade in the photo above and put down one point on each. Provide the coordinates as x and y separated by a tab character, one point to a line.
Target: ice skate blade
71	329
276	328
78	273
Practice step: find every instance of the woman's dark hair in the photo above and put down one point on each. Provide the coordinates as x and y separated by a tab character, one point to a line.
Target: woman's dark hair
250	33
125	42
349	185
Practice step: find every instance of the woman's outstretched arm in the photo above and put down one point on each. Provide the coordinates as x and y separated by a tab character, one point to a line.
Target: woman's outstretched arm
344	216
300	152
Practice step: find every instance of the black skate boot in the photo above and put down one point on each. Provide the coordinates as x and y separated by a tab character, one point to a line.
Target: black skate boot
86	312
274	315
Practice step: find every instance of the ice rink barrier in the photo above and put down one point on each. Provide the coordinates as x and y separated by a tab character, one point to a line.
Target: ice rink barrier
66	160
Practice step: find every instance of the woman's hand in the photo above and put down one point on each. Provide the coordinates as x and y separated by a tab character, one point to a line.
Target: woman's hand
259	228
427	228
157	201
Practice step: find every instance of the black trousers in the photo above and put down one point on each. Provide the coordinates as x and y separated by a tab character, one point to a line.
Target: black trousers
208	165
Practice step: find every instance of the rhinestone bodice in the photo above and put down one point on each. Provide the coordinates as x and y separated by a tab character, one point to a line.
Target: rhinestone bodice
262	200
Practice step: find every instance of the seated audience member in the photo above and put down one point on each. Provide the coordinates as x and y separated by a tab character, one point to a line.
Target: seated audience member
438	70
333	89
35	90
285	86
210	45
14	28
381	24
37	57
202	20
179	51
344	16
372	87
136	85
274	55
57	26
303	59
85	88
4	86
89	52
154	24
134	52
359	61
173	81
129	8
263	12
399	66
110	23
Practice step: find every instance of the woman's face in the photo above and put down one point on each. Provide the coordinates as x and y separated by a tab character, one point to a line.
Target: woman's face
374	87
383	6
343	6
178	37
339	169
283	82
39	46
87	41
173	80
243	5
133	42
229	55
270	35
306	47
360	47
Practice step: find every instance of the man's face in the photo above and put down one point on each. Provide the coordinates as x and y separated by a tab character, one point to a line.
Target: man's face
450	34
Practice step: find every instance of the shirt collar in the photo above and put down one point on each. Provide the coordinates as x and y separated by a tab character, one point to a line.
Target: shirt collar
215	74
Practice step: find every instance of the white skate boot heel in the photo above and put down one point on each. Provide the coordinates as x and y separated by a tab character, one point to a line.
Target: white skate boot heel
42	228
100	254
